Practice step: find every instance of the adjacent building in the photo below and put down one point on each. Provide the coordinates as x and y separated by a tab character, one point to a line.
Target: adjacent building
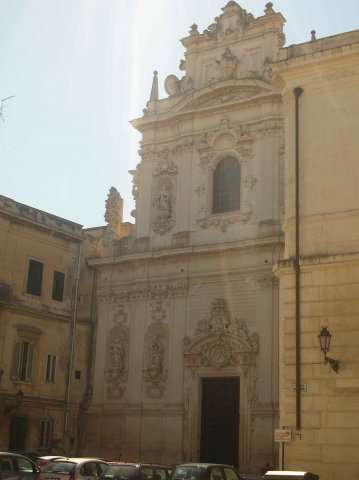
320	84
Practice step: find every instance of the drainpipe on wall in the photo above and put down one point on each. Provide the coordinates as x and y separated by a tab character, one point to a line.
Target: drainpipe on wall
72	347
297	93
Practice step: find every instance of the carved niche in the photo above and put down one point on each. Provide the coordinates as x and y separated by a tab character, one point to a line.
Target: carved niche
117	355
164	196
156	353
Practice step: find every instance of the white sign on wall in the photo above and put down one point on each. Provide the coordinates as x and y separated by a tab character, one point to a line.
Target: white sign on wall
282	435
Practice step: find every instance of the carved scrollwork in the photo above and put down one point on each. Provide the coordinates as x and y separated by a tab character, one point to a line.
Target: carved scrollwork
223	222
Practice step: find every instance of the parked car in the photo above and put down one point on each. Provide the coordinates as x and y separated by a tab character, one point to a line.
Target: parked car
205	471
44	460
74	469
15	466
137	471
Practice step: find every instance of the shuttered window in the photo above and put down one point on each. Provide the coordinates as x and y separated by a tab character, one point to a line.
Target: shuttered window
50	368
226	186
23	361
58	286
34	277
46	428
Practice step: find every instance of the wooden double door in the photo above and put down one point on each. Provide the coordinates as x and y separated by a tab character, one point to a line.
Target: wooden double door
220	420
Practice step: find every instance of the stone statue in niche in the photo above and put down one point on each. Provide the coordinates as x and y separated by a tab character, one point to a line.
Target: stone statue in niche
164	203
163	208
156	355
227	65
117	355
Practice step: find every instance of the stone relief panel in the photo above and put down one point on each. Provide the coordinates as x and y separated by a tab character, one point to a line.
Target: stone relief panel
164	196
117	355
156	353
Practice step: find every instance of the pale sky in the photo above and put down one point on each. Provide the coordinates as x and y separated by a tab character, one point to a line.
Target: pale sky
80	70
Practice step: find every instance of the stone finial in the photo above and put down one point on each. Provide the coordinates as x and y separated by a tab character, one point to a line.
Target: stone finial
269	8
154	89
182	65
194	30
114	210
313	37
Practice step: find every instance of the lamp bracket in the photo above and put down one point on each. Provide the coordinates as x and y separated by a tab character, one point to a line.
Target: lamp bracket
333	363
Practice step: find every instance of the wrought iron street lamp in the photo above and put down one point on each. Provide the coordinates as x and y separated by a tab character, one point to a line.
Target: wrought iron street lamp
325	338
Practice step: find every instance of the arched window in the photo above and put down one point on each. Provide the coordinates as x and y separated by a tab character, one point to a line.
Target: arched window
226	186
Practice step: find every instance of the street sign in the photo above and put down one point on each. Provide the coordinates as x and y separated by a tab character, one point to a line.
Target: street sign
282	435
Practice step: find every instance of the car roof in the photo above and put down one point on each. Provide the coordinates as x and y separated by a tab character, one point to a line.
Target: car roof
79	459
18	455
139	464
203	465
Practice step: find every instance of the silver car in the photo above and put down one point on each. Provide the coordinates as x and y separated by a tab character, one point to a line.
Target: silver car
74	469
17	467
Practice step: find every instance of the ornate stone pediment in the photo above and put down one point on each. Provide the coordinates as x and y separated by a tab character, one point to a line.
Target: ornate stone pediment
225	95
221	340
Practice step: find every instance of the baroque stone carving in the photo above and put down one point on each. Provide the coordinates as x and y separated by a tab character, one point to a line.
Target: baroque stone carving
221	340
166	167
227	65
220	321
164	213
163	203
224	221
135	186
168	290
113	217
156	353
220	353
116	370
233	22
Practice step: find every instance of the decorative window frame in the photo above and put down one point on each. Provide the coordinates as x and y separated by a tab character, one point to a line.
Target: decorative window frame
212	148
25	334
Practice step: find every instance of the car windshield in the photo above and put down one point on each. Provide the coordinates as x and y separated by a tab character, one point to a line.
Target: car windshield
187	472
60	467
124	471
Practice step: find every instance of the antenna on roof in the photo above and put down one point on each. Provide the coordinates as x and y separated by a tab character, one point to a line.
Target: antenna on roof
3	106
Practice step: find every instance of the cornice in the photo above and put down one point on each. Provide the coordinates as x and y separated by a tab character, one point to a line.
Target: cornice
310	56
195	253
166	120
315	263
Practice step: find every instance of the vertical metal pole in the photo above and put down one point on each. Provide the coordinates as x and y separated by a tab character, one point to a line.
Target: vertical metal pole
283	455
297	93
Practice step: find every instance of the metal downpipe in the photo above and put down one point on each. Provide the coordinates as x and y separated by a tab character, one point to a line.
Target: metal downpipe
297	93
